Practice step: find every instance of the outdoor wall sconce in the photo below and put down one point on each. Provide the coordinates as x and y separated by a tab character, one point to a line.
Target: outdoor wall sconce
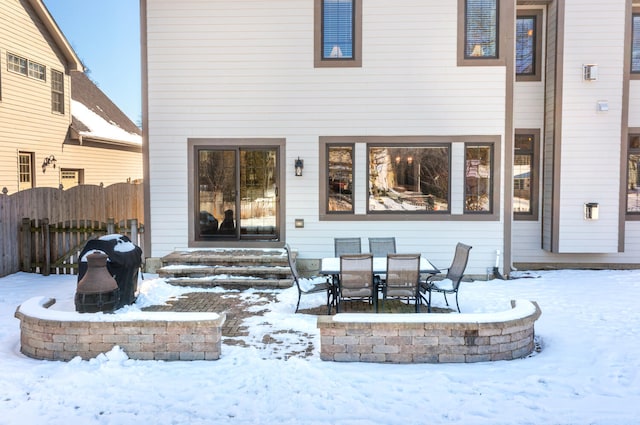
591	211
50	160
299	164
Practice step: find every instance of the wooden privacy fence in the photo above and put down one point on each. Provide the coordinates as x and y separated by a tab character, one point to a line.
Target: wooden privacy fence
86	208
55	248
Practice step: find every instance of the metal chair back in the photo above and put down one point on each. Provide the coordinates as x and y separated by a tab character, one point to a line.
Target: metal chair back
458	265
356	276
403	275
345	246
381	247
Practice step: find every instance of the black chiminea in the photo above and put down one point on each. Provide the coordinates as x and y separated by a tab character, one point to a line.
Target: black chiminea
97	290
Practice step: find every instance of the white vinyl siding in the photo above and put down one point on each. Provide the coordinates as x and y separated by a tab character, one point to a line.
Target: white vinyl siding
264	84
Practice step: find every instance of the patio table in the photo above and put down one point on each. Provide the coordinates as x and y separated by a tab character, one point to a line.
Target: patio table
330	266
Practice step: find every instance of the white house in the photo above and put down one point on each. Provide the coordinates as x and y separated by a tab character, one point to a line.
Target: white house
513	126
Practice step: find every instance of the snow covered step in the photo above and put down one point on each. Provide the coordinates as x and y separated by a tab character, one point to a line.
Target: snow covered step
232	267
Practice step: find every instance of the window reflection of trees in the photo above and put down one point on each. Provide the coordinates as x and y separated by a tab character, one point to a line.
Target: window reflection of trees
340	175
409	178
478	179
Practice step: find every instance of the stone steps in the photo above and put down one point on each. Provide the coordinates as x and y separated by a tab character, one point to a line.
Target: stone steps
230	268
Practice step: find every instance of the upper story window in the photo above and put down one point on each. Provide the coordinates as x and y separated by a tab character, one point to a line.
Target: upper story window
481	29
338	33
633	175
635	43
16	64
479	32
529	45
57	91
26	67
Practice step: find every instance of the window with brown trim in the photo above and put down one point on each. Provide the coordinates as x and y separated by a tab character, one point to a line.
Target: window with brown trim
525	175
409	179
478	176
340	179
479	33
635	43
633	175
529	45
338	33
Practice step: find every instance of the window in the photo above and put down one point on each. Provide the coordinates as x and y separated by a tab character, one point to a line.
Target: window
25	170
26	67
635	43
37	71
338	30
236	196
340	175
71	177
529	45
477	179
479	33
16	64
481	29
408	178
525	175
633	175
57	91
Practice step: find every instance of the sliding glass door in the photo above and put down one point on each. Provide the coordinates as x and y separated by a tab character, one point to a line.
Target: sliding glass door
237	193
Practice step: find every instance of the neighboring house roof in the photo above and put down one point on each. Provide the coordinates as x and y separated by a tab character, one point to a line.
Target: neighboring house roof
74	63
96	118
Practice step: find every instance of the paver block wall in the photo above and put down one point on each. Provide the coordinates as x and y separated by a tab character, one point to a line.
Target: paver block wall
428	338
172	336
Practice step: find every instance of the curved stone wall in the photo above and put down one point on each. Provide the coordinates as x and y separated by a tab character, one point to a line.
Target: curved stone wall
60	335
429	337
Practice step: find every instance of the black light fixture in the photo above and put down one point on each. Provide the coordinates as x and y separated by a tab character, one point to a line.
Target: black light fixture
299	164
50	160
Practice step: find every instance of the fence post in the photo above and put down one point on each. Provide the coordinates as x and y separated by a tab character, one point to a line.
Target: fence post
46	238
111	226
133	225
25	235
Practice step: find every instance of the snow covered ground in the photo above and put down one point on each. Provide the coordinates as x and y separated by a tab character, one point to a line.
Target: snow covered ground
588	371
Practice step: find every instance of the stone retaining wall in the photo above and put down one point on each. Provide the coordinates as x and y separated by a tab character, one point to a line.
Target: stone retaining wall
429	337
58	335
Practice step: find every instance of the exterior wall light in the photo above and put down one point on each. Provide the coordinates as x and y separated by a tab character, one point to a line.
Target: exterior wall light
299	164
590	72
50	160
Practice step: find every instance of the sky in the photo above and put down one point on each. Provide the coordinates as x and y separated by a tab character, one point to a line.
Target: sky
586	373
105	35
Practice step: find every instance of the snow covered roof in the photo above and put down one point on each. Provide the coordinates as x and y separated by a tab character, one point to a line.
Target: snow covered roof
96	117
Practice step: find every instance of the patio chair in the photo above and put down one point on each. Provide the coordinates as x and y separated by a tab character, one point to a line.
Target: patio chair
380	247
451	283
344	246
403	278
356	279
318	287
